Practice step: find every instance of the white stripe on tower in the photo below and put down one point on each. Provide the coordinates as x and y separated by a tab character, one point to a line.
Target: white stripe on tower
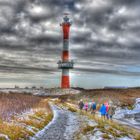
65	45
65	72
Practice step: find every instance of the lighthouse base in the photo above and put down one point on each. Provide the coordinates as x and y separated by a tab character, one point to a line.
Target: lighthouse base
65	82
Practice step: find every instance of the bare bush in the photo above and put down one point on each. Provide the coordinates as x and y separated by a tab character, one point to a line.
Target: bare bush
15	103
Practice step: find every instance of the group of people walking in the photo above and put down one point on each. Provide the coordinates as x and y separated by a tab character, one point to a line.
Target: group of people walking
106	110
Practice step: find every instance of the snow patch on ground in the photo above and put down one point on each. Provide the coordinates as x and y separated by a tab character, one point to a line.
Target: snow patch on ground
130	117
125	138
4	137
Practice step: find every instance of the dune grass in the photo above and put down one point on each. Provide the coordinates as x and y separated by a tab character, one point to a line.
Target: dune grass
15	103
25	125
106	126
87	129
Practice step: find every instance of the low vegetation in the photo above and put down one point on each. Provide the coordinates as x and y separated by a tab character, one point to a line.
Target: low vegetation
122	97
36	114
86	129
15	103
106	127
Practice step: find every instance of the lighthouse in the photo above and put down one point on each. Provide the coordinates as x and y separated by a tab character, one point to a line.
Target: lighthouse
65	63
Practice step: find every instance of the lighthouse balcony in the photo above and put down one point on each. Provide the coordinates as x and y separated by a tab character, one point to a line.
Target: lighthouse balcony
65	65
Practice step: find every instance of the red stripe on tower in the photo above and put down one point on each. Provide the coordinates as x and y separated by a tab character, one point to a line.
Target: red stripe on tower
66	29
65	56
65	82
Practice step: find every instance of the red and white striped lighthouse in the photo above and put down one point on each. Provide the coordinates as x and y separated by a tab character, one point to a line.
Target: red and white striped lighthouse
65	64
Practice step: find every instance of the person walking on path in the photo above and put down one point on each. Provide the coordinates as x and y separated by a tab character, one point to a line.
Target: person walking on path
90	105
107	108
86	107
93	108
81	104
103	111
111	111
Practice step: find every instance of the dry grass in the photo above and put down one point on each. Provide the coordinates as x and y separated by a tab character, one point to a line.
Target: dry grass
121	97
18	125
114	129
106	136
18	131
14	131
126	97
87	129
11	104
70	108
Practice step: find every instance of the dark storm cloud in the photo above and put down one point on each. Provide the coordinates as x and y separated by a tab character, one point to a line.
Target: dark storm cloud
25	69
102	32
53	39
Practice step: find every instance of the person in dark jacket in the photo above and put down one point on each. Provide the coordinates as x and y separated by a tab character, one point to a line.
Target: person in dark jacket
103	110
93	108
81	104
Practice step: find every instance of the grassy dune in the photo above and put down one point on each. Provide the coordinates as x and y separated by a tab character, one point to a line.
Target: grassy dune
109	129
14	103
22	115
123	97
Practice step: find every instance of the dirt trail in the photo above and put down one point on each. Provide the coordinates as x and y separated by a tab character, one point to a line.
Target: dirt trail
66	124
62	127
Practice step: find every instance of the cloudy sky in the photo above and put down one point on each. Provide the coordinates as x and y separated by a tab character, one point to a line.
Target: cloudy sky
104	42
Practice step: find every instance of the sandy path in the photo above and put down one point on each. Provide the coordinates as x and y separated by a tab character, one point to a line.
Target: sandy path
62	127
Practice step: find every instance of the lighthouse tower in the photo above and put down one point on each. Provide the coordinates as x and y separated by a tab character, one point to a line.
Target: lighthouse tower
65	64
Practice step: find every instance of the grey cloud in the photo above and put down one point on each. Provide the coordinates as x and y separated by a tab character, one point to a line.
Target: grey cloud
100	33
46	38
22	70
115	72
